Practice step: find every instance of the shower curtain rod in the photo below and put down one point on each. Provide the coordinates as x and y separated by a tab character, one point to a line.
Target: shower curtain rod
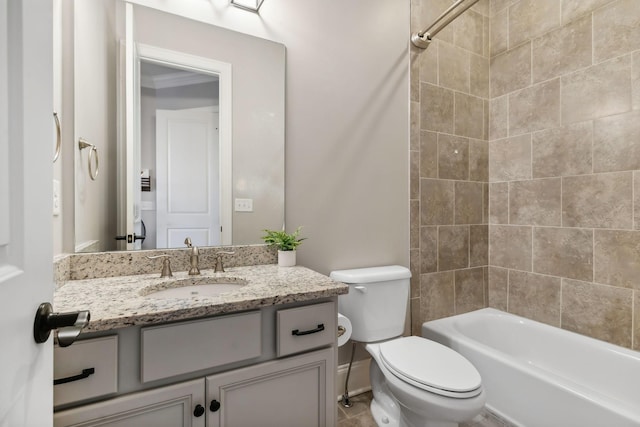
422	39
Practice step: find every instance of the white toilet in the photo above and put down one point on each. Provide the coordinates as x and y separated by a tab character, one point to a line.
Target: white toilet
416	382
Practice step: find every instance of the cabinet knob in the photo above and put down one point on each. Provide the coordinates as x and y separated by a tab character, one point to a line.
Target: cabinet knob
214	406
199	411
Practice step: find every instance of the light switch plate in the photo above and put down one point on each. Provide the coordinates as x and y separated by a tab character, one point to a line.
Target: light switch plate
244	205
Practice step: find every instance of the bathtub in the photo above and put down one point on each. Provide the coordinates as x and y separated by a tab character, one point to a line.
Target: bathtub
536	375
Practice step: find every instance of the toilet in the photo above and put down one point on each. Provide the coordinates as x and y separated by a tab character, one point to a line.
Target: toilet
416	382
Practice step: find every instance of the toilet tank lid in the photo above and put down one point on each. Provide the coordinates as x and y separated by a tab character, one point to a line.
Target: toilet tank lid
371	274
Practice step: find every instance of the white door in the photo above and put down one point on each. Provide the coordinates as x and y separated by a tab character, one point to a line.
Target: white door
188	178
26	246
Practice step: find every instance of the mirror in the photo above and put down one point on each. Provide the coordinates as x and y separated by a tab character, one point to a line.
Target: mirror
216	172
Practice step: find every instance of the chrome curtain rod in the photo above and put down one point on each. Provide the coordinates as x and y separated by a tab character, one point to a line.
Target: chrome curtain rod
422	39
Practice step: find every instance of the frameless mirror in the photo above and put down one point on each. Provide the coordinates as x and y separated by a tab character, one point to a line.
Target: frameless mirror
193	140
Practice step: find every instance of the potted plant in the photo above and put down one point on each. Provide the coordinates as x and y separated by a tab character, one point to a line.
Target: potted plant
286	244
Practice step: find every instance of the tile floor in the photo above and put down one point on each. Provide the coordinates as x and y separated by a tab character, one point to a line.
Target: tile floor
359	415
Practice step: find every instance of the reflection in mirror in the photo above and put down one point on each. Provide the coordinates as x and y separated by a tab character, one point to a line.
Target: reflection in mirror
250	200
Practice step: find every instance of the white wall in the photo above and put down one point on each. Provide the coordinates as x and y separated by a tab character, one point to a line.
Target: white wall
347	121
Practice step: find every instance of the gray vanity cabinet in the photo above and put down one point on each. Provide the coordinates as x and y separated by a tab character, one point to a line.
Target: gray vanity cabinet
284	373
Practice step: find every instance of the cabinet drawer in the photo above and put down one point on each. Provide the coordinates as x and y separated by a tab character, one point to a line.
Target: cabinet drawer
185	347
89	366
304	328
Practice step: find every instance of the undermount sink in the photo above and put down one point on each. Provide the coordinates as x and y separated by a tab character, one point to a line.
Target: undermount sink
194	287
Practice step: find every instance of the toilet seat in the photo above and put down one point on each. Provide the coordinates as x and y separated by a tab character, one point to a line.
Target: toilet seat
431	366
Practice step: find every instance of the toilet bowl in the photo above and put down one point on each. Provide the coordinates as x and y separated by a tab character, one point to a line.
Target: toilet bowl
416	382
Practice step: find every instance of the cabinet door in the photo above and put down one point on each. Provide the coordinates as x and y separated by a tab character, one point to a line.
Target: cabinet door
292	392
171	406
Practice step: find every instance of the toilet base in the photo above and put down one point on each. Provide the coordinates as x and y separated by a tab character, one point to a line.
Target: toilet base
382	417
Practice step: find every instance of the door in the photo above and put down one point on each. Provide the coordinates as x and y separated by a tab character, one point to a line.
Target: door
290	392
26	172
188	177
179	405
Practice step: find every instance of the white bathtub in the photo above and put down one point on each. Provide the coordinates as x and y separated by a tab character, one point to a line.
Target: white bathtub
536	375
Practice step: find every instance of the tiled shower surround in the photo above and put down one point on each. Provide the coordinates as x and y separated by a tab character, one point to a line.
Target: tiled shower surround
525	179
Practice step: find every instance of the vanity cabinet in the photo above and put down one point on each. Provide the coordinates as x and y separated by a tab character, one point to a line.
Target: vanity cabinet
270	367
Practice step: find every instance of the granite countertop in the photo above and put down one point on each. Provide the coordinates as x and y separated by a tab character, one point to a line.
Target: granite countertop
119	302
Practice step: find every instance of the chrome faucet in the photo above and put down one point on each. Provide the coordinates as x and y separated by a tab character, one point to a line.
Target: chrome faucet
219	268
193	257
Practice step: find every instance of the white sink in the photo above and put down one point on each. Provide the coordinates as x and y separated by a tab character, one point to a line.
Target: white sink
194	288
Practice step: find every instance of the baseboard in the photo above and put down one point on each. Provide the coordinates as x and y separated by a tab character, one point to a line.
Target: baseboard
358	379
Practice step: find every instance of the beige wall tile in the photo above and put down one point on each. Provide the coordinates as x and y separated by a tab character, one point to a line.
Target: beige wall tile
510	159
414	174
536	202
498	5
482	7
469	290
428	61
635	80
453	67
563	151
416	317
414	266
530	18
469	116
615	142
479	76
499	203
511	70
426	12
414	132
453	157
436	202
510	247
617	29
453	247
437	296
598	91
428	154
468	202
562	51
599	311
499	33
414	224
478	245
636	326
499	118
636	200
486	34
414	77
485	203
468	31
498	287
598	201
428	249
478	160
617	258
572	9
535	297
436	108
535	108
485	130
564	252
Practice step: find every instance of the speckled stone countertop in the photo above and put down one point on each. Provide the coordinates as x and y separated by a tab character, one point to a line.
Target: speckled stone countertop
119	302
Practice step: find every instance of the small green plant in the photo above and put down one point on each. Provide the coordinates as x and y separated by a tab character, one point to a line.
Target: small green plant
282	240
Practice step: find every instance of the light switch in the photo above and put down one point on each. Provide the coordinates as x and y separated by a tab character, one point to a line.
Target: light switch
244	205
57	202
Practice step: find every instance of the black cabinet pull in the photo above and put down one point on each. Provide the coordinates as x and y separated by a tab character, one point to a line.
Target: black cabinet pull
85	374
215	405
198	411
297	332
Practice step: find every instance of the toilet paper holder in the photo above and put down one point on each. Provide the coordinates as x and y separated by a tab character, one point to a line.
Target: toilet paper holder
341	330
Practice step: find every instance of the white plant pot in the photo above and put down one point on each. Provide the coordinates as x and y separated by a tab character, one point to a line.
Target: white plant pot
286	258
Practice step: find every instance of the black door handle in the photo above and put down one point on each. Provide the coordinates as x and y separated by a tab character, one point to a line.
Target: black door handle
85	374
297	333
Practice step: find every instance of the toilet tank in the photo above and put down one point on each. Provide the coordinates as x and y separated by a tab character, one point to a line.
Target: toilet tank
377	301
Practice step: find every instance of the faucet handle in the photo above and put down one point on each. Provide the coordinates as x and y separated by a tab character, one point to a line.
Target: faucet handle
187	242
166	265
219	268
